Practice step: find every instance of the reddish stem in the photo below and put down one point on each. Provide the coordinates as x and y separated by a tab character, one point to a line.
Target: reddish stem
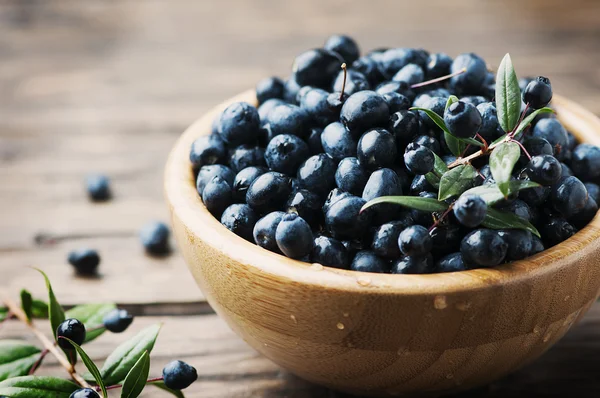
439	79
523	148
484	142
344	82
512	133
439	220
37	363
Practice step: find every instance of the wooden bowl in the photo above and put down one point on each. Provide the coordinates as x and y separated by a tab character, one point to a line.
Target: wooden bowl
380	334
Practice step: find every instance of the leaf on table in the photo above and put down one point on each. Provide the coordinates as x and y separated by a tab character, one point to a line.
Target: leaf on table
135	381
55	311
456	181
508	95
497	219
119	362
527	121
413	202
161	385
37	387
16	358
92	317
502	162
90	365
491	194
27	304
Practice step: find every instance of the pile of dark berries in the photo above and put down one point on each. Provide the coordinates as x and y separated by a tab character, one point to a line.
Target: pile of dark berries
397	161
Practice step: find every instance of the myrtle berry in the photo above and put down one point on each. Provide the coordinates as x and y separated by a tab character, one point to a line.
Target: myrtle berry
363	110
245	156
317	174
333	196
337	141
475	100
394	59
519	208
411	73
536	146
239	124
285	153
264	109
98	187
240	219
264	231
351	176
519	243
429	142
555	230
554	132
537	245
544	169
243	179
307	205
585	215
451	263
490	127
117	320
294	236
178	375
316	103
483	248
420	184
405	127
208	149
355	82
269	88
435	104
382	182
415	241
314	141
290	90
369	68
569	196
85	261
207	173
155	238
287	119
593	191
217	196
269	192
345	46
385	237
344	220
585	162
395	87
474	76
538	92
316	67
462	119
470	210
376	149
71	329
438	65
396	102
535	196
368	261
84	393
418	159
445	238
413	265
329	252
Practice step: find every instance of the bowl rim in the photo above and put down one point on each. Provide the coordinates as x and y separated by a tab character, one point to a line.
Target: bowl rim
186	206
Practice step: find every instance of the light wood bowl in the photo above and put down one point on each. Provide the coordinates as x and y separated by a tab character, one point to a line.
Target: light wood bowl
379	334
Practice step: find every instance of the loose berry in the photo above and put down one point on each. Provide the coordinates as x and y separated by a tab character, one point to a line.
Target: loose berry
244	179
413	265
245	156
396	102
317	174
364	110
287	119
337	142
473	78
538	92
98	187
385	237
178	375
519	243
411	74
351	176
73	330
438	65
264	231
470	210
155	238
269	192
316	67
285	153
585	162
217	196
376	149
451	263
117	320
85	261
206	150
207	173
569	196
307	205
344	219
345	46
553	132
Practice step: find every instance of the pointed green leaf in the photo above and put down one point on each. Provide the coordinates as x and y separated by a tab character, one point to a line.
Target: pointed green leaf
92	317
162	386
456	181
502	162
508	95
39	309
439	168
3	313
55	311
451	99
136	378
437	119
27	304
471	141
527	121
119	362
492	195
413	202
90	365
497	219
455	145
37	387
16	358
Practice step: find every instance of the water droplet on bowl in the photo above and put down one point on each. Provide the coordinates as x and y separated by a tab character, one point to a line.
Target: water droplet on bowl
567	298
547	337
439	302
340	326
537	329
316	267
346	314
363	280
464	306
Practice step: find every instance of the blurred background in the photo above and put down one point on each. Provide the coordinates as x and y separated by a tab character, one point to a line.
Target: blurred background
108	86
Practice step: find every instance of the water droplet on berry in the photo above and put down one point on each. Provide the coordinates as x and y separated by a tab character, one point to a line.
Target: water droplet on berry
340	326
363	280
439	302
316	267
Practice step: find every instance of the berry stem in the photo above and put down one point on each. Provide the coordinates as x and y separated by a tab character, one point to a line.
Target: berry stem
477	154
37	363
344	82
439	79
485	144
48	345
512	133
439	220
522	148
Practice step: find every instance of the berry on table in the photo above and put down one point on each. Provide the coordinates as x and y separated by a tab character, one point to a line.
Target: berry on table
538	92
415	241
73	330
368	261
178	375
98	187
84	393
329	252
463	119
294	236
483	248
155	238
470	210
117	320
85	261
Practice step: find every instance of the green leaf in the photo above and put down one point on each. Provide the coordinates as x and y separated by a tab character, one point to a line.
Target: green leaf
127	354
27	304
527	121
55	311
136	378
413	202
37	387
161	385
90	365
439	168
471	141
3	313
39	309
455	145
91	315
437	119
499	140
491	194
502	162
456	181
508	95
16	358
451	99
496	219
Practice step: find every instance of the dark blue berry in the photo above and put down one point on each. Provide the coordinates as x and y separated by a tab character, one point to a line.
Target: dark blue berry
555	230
217	196
71	329
314	141
317	174
413	265
435	104
285	153
534	197
290	90
369	67
553	131
396	102
288	119
155	238
368	261
385	237
307	205
117	320
420	184
294	236
376	149
269	192
395	87
475	100
418	159
269	88
245	156
355	82
333	196
537	246
535	146
569	196
207	173
351	176
473	78
382	182
344	220
415	241
585	215
519	243
462	119
519	208
85	261
239	124
429	142
405	127
411	74
585	162
394	59
593	191
538	92
98	187
445	238
338	142
264	231
208	149
316	102
178	375
451	263
316	67
268	106
490	127
364	110
240	219
345	46
84	393
483	248
470	210
329	252
544	169
438	65
243	179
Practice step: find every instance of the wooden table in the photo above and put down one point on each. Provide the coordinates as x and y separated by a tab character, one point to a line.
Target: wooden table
107	86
